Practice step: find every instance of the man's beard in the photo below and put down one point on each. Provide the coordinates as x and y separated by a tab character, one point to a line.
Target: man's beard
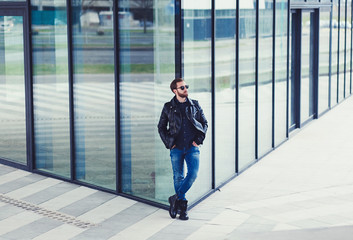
183	95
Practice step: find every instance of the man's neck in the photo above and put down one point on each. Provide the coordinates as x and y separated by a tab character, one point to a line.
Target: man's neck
180	99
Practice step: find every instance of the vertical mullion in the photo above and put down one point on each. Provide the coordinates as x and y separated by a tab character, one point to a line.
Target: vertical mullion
29	89
118	146
257	81
71	90
273	72
178	25
237	89
345	50
288	51
213	79
350	63
338	51
330	60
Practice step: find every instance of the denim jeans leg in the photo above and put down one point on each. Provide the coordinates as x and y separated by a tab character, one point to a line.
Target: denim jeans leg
192	162
177	159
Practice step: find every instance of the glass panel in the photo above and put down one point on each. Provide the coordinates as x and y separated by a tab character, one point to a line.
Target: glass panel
281	72
265	77
291	77
51	87
247	65
12	90
147	59
324	60
334	62
94	93
197	73
306	84
225	90
348	47
341	75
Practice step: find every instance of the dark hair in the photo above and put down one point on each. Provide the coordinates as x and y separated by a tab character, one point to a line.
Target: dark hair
173	84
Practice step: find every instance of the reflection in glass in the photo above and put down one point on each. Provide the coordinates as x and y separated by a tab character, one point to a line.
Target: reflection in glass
247	65
225	90
324	61
51	87
348	47
265	77
306	81
94	93
146	69
12	90
281	72
342	31
197	73
334	62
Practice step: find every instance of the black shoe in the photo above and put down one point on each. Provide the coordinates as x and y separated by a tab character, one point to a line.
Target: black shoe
183	205
173	208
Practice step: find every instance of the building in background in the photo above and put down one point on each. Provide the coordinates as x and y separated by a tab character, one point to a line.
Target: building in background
83	82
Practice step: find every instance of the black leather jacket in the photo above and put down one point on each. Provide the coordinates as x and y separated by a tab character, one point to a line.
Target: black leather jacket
171	114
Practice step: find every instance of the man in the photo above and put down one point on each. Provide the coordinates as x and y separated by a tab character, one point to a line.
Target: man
182	128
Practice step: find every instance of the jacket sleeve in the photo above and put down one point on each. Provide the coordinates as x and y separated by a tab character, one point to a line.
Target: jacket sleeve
162	127
201	119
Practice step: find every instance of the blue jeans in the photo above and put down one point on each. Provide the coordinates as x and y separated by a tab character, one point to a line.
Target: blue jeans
191	156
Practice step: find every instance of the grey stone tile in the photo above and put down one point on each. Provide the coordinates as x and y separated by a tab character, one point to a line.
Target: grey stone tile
117	223
9	210
87	204
178	230
6	169
50	193
33	229
19	183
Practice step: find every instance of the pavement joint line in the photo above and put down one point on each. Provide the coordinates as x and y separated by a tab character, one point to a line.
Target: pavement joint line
46	212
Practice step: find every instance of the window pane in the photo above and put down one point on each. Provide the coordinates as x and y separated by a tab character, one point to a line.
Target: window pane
341	75
225	90
12	90
94	93
197	73
324	60
51	88
281	72
265	77
247	65
306	84
334	55
348	47
146	70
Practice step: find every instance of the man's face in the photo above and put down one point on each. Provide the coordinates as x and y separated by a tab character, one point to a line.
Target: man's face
179	92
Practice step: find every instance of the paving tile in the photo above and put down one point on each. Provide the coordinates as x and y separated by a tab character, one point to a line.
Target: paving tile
8	210
118	222
68	198
87	204
50	193
33	229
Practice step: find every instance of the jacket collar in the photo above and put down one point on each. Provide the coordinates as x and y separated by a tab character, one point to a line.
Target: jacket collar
174	101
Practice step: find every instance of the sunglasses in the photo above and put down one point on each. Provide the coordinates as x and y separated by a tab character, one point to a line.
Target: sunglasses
183	87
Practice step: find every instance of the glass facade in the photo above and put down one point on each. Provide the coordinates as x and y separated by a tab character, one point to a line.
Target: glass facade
146	69
197	65
94	93
51	87
324	60
280	98
225	94
334	54
82	85
247	82
265	76
12	90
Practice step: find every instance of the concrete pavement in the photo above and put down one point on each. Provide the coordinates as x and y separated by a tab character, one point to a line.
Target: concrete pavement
302	190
